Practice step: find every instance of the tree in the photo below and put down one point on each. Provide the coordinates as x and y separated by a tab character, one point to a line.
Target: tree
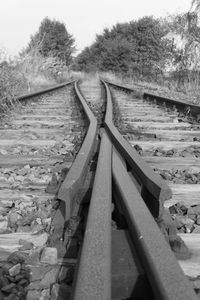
186	33
54	40
195	5
136	47
84	61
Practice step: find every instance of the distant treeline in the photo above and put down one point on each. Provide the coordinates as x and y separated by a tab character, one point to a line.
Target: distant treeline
147	47
137	47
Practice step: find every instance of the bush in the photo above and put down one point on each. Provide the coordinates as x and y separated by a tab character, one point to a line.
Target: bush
10	81
28	73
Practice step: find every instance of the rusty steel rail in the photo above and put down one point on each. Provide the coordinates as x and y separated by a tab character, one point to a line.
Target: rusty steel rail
123	87
180	104
75	177
40	92
94	273
154	188
93	276
165	275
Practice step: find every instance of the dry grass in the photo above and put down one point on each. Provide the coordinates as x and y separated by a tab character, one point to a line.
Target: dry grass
33	68
10	81
26	74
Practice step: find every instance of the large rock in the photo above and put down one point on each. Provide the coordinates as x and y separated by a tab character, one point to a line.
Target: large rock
17	257
49	278
49	256
33	295
15	270
40	240
37	272
46	281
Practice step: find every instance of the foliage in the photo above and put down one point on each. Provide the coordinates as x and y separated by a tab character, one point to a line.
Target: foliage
10	81
33	67
53	40
38	69
195	5
185	30
28	73
40	65
136	47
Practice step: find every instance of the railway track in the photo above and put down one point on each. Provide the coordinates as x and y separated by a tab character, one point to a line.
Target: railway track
165	132
119	256
99	246
38	142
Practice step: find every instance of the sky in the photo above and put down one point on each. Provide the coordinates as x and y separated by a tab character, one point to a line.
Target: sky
83	18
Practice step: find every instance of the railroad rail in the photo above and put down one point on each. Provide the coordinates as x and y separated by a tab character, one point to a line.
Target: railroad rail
186	106
122	180
44	91
99	229
37	142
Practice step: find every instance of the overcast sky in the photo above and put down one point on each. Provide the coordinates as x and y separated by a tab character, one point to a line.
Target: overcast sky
83	18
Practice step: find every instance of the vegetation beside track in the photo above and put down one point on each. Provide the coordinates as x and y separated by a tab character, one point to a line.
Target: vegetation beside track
43	63
160	53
